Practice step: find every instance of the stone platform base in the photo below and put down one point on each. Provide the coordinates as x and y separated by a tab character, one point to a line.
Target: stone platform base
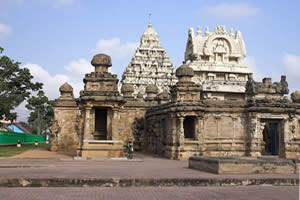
244	165
101	149
144	182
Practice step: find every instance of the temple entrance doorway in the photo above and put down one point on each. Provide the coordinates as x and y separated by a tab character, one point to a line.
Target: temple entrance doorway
189	127
100	124
271	136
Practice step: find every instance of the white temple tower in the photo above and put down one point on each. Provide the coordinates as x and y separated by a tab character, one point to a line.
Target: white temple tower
150	65
216	58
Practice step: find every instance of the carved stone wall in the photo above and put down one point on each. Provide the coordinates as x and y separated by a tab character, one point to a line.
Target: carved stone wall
64	128
266	90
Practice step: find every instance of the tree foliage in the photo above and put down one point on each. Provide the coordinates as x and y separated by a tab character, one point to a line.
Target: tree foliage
15	86
42	111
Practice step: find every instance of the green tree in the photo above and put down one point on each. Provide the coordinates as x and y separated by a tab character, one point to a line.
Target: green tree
42	111
15	86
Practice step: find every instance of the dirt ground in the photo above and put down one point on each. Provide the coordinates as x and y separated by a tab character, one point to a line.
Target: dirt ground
43	153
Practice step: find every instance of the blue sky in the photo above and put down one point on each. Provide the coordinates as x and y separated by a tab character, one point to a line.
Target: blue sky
56	39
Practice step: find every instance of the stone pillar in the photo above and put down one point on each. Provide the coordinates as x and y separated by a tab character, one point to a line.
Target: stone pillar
87	135
181	131
200	134
254	135
287	132
198	128
173	131
111	129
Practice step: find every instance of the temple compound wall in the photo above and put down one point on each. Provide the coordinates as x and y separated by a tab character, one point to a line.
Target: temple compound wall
209	106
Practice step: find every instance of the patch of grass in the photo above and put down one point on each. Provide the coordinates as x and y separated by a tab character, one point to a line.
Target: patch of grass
8	151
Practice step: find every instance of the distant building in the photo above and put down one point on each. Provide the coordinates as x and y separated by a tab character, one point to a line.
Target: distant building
12	127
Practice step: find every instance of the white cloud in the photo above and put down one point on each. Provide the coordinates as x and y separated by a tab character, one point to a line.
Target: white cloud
61	3
251	63
115	49
291	65
5	30
22	112
76	70
231	11
51	83
79	68
259	74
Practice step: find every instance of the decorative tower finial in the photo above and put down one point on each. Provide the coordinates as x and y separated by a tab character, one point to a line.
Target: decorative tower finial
150	23
231	33
199	30
207	31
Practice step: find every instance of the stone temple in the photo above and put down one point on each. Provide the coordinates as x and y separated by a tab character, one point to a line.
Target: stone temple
209	106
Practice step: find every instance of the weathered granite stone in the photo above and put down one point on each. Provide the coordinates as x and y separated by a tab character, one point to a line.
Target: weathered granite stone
296	97
101	62
66	91
151	89
127	90
184	73
184	70
266	90
164	95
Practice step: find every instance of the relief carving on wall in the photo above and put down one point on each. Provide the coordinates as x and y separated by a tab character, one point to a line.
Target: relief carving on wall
292	127
54	131
79	125
260	130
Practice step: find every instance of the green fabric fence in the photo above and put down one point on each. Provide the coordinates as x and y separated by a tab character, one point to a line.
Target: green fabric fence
13	137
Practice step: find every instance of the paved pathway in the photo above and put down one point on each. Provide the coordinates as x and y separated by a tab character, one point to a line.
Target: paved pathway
144	167
149	193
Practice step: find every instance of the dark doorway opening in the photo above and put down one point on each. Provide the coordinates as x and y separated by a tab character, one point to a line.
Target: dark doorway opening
100	124
189	127
271	138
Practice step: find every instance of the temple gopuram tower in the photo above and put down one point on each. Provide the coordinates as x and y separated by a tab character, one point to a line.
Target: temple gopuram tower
150	65
216	58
